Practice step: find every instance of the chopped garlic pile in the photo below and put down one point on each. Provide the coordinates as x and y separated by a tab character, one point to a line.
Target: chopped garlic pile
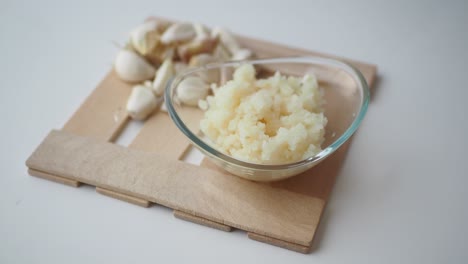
268	121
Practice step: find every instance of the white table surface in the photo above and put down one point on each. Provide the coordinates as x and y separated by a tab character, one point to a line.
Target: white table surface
401	197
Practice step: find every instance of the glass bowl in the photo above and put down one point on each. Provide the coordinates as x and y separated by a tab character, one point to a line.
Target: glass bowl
345	91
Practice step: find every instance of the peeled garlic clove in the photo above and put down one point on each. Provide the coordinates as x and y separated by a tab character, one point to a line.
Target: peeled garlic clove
195	47
209	76
178	32
242	54
141	102
132	68
145	37
165	72
191	90
227	39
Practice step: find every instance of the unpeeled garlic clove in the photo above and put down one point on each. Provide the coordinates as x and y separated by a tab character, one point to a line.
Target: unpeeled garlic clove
165	72
227	39
178	32
191	90
197	46
141	102
145	37
130	67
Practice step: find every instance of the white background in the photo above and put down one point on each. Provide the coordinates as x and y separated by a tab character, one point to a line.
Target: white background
401	197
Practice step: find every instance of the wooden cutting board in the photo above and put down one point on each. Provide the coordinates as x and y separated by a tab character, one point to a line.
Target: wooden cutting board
285	213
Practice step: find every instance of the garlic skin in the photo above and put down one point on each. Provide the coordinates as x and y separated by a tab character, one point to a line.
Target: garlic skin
178	32
191	90
165	72
145	37
141	102
130	67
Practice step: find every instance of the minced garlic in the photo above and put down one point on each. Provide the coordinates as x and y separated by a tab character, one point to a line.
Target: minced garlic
268	121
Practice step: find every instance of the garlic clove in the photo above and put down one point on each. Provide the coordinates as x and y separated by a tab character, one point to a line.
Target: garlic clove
227	39
148	84
209	76
130	67
191	90
197	46
165	72
178	32
201	32
221	53
203	104
242	54
145	37
202	59
161	53
141	102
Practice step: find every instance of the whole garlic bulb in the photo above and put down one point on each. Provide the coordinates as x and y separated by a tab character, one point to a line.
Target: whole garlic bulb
191	90
132	68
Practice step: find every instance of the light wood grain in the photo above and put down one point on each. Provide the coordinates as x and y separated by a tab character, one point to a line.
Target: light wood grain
123	197
102	115
201	221
201	192
159	134
54	178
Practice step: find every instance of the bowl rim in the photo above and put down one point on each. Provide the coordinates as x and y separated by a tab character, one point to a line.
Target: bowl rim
350	69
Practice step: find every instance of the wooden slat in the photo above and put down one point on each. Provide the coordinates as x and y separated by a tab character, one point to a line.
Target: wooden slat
159	134
54	178
201	192
123	197
201	221
280	243
102	115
